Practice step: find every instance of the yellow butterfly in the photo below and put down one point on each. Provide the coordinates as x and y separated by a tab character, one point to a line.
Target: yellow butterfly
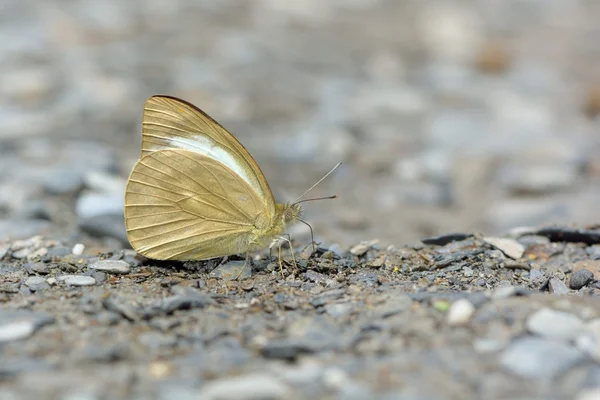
196	193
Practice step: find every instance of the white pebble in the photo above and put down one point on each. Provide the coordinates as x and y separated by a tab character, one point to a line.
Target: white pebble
460	312
78	249
16	330
111	266
77	280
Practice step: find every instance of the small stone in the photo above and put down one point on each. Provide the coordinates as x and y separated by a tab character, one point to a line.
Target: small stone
339	309
15	325
233	270
111	266
554	324
443	240
307	252
504	292
558	287
186	299
511	248
460	312
4	248
539	358
535	274
590	265
256	386
37	283
58	251
580	278
361	248
78	249
337	249
40	268
127	311
77	280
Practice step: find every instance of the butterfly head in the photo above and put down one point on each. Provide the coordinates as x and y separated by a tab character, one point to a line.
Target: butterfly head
291	213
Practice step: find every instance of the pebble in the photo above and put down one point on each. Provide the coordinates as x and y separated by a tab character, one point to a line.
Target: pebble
4	248
185	298
40	268
558	287
460	312
364	246
588	265
256	386
78	249
535	274
111	266
554	324
510	247
580	278
504	292
58	251
231	270
37	283
539	358
77	280
15	325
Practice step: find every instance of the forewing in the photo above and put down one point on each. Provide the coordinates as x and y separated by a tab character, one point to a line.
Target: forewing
170	123
181	205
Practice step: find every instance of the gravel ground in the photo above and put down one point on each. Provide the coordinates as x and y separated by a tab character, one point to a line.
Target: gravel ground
456	317
457	115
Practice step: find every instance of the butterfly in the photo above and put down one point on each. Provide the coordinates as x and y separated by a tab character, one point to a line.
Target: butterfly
196	193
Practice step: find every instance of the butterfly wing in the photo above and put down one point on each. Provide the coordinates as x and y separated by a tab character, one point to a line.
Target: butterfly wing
171	123
182	205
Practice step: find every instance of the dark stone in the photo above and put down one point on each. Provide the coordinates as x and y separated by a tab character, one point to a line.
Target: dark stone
580	278
561	234
443	240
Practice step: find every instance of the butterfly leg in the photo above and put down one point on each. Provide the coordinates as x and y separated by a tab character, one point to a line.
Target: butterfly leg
245	265
289	240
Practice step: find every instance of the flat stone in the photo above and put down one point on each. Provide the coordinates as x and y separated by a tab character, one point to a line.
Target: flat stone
257	386
77	280
37	283
186	298
40	268
111	266
510	247
554	324
232	269
16	325
539	358
363	247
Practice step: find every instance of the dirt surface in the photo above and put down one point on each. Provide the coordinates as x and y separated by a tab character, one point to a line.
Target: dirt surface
457	317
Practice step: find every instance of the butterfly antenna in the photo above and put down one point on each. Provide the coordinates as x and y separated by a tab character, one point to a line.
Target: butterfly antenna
317	198
319	181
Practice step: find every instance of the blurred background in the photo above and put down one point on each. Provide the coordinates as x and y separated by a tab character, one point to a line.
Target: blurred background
458	115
